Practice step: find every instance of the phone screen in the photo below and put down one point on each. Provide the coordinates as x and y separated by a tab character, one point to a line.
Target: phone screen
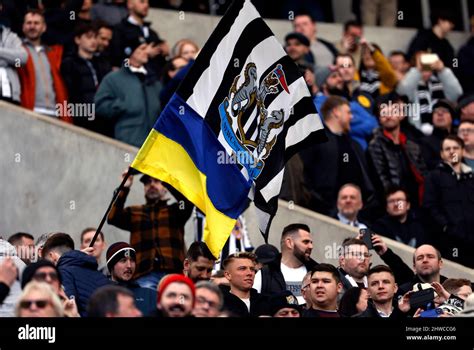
367	237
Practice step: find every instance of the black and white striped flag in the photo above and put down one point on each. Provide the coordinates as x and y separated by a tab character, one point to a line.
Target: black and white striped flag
255	101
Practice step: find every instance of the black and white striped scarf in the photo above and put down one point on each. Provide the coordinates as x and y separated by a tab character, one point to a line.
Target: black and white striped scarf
370	82
427	95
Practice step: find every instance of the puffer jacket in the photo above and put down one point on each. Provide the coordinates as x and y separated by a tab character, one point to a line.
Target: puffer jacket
386	162
80	277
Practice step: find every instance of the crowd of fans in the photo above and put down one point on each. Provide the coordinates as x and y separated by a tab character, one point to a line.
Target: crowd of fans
399	161
52	279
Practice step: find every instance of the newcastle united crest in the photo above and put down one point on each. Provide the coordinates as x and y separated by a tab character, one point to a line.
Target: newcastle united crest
250	95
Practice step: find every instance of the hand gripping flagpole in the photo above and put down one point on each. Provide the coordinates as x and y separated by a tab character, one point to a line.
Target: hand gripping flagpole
114	198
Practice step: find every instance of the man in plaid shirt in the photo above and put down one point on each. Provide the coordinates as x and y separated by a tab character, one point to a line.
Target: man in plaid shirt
156	229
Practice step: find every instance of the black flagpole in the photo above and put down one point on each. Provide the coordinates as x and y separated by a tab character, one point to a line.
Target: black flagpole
116	194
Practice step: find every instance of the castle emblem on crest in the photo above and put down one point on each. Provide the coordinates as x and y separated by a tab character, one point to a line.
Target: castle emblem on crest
251	153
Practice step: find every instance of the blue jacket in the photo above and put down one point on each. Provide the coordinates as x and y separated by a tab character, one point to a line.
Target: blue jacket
80	277
362	124
145	298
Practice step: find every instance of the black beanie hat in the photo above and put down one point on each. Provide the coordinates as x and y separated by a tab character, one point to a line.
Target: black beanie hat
118	251
31	269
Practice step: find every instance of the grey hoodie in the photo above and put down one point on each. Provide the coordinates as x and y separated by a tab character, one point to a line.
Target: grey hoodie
12	56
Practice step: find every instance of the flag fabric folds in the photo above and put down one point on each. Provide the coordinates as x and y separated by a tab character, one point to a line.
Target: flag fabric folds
241	112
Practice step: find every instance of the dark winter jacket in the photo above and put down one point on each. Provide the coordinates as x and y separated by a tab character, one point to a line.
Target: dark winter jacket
431	147
145	298
124	37
272	277
466	68
323	185
404	275
237	308
82	78
78	74
80	277
450	201
346	284
385	158
371	311
427	40
411	232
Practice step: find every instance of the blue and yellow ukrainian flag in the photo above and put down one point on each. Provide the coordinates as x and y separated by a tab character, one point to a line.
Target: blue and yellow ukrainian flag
243	98
183	151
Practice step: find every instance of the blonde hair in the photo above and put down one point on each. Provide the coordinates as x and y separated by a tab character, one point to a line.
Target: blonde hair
176	51
45	289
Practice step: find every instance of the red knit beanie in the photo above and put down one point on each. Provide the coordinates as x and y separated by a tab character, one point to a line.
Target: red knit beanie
168	279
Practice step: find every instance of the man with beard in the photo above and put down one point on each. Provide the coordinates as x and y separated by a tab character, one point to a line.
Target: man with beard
354	262
199	262
156	230
121	263
176	296
330	81
288	270
341	157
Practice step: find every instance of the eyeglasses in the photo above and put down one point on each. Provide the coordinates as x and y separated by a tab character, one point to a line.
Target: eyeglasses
441	110
360	256
40	304
466	131
41	276
305	286
212	305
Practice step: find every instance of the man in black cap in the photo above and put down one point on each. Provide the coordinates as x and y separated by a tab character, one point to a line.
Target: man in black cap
46	271
284	304
297	47
266	253
156	229
121	262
